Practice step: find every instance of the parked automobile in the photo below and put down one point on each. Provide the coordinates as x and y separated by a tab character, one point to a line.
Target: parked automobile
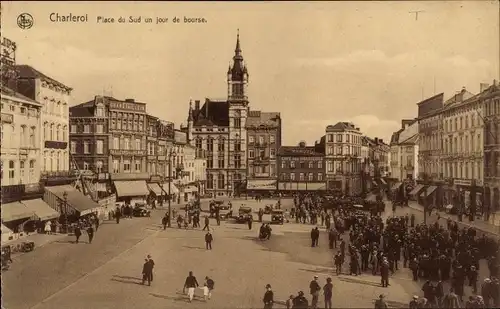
141	211
244	214
277	216
224	212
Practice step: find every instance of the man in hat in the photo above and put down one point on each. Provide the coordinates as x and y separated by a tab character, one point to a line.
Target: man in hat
413	303
208	240
268	297
300	301
473	274
314	289
152	264
147	272
191	283
380	302
328	292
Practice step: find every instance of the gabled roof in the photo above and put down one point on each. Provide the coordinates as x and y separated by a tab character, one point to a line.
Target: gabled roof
9	92
28	72
258	118
411	140
395	136
86	109
341	126
212	113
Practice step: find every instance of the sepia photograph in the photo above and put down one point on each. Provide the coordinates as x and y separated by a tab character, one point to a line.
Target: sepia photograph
225	154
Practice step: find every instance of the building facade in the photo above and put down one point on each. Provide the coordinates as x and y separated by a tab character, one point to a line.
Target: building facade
220	128
21	142
462	149
343	158
404	151
301	168
491	105
200	171
264	140
55	99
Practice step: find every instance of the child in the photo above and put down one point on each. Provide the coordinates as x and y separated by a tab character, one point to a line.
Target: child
206	291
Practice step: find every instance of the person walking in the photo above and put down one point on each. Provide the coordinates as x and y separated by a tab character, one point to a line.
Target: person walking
152	264
90	233
78	233
164	221
118	214
328	292
208	240
208	287
147	272
190	284
268	299
250	221
207	223
314	289
47	228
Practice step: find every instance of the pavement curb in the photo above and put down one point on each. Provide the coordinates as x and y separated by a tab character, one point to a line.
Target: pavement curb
467	224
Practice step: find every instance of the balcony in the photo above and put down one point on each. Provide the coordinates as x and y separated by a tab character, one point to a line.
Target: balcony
124	152
56	145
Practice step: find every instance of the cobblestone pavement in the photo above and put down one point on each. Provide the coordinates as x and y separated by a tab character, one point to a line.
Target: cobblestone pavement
106	274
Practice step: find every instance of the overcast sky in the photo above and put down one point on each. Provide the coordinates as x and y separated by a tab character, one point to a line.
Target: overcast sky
316	63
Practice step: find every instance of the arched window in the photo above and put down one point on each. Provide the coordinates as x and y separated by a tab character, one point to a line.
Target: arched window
11	171
52	133
58	133
32	137
46	161
23	135
98	166
21	172
65	134
31	178
53	163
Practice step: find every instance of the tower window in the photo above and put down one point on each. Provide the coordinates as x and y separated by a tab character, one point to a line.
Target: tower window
237	123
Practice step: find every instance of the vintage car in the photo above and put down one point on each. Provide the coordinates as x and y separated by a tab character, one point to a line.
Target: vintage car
268	209
244	214
141	211
224	212
277	216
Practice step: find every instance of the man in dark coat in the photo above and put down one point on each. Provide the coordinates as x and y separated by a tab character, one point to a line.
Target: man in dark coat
314	289
208	240
207	222
150	260
384	273
118	214
268	298
90	233
300	301
314	237
147	272
250	221
78	233
164	221
332	238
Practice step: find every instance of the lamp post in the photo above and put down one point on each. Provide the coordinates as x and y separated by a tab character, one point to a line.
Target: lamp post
65	223
170	154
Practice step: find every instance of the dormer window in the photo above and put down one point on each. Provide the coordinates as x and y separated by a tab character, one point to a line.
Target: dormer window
99	112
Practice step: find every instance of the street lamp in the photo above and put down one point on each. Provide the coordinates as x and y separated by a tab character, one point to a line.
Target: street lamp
65	223
170	155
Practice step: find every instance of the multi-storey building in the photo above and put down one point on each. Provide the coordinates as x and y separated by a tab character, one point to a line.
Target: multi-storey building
264	140
54	97
301	168
109	137
491	100
166	135
222	128
21	144
152	145
462	149
343	158
404	151
200	171
182	153
367	167
429	149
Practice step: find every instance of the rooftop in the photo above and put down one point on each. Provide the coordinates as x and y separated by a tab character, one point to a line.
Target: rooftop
28	72
306	151
12	93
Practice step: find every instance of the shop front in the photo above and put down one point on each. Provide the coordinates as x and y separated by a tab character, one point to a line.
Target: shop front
15	218
131	192
170	190
260	185
70	203
470	194
190	192
414	194
302	186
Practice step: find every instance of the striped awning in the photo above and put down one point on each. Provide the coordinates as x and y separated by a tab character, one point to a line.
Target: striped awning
428	191
169	185
155	188
416	190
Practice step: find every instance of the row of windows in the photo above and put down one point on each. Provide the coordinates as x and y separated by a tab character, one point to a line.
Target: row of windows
129	116
55	132
460	123
462	170
343	151
18	172
344	138
57	108
492	108
55	161
261	154
302	176
302	164
220	145
10	138
262	139
236	163
87	128
342	167
464	143
220	183
127	125
19	108
85	147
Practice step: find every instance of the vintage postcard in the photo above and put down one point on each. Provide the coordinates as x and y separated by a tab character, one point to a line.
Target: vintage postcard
304	154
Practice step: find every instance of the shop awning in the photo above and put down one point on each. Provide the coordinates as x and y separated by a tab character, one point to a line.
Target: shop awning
155	188
16	211
416	190
76	199
261	184
173	188
41	209
429	190
371	198
131	188
396	186
190	189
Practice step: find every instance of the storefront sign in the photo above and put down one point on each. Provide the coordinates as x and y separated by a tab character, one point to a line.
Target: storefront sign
7	118
462	182
121	152
138	107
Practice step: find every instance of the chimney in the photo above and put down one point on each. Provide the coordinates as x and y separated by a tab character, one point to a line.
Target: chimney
376	140
381	141
495	82
463	89
357	129
130	100
197	105
207	101
483	87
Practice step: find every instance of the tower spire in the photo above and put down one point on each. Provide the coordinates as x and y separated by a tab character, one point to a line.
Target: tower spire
237	50
190	116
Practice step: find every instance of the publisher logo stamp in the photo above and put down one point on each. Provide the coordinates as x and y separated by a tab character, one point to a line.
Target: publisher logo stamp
25	21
